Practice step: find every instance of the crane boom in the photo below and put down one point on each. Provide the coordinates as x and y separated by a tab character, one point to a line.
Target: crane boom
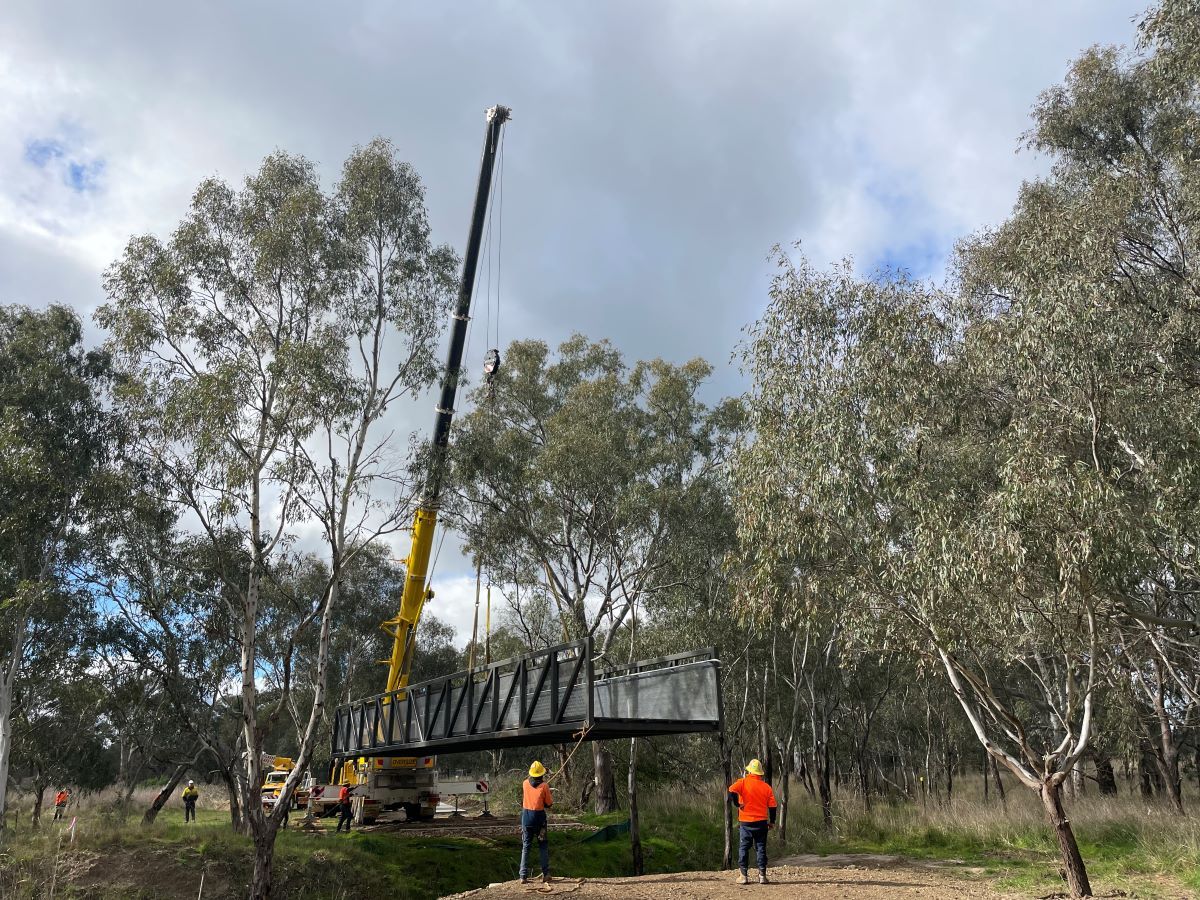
403	626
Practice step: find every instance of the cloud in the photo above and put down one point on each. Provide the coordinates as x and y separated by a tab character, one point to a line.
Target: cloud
657	153
454	603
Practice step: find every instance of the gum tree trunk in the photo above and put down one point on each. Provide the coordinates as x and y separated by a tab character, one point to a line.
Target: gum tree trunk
635	835
727	769
1068	848
999	782
823	786
39	791
264	854
606	786
235	806
784	797
165	794
6	690
1106	778
1168	765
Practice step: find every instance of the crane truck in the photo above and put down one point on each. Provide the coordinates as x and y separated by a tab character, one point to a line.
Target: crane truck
410	783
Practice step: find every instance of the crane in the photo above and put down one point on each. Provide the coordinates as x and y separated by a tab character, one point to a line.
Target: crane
410	783
403	627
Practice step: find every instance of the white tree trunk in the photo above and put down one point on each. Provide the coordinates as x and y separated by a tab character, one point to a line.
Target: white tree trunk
7	680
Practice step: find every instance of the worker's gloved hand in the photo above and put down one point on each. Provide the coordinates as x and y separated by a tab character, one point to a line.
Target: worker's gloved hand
770	825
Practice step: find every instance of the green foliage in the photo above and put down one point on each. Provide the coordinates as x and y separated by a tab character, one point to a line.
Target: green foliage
582	476
259	349
56	444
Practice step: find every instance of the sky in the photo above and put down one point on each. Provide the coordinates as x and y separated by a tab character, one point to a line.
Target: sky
659	149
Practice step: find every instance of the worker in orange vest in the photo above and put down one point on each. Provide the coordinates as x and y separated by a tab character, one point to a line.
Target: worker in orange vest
60	802
535	800
345	813
756	815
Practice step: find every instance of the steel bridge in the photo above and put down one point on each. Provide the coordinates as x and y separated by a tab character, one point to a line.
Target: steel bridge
552	696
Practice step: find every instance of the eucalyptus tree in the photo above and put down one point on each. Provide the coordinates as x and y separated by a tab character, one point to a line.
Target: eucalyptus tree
261	347
63	740
883	489
371	582
581	472
371	585
167	625
55	444
1094	277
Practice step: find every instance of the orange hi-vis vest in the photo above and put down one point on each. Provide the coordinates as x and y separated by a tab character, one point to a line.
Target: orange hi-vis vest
536	798
756	798
60	799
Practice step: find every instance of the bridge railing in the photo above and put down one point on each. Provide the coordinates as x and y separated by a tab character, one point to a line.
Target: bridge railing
542	697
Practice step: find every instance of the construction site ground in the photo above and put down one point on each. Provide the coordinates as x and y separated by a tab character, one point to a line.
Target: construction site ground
843	878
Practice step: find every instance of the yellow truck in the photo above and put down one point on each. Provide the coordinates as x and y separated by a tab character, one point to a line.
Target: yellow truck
281	767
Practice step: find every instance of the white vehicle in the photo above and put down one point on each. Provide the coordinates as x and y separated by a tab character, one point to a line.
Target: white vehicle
393	784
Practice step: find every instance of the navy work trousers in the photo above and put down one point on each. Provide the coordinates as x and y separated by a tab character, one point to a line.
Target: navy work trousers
752	833
533	828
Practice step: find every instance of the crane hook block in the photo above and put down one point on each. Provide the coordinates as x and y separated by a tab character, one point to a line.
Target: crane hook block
491	364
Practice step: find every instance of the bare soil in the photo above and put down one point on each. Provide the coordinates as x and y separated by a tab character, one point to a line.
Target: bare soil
129	873
810	882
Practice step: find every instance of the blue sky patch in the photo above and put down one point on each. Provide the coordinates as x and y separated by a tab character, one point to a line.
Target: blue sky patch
917	244
924	256
84	176
41	152
65	156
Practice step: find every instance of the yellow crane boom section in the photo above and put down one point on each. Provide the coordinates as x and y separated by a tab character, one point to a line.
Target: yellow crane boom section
403	626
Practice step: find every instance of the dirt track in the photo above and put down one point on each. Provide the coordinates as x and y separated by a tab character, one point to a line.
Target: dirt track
808	882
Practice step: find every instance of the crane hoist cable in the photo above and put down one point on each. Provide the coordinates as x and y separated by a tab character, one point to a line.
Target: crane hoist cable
492	252
499	238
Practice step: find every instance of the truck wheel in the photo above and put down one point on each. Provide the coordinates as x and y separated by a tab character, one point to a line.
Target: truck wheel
412	812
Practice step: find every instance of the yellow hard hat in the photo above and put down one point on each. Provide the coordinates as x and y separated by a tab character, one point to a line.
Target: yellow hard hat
754	767
537	770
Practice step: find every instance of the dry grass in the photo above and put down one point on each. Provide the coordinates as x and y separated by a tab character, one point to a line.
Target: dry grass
1127	844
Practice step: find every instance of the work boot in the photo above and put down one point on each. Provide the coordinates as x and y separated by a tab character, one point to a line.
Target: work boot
545	878
742	879
524	879
762	878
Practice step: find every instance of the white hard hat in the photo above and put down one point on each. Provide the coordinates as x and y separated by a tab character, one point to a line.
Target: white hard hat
191	783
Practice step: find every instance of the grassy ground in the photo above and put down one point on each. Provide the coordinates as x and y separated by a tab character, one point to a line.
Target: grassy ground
111	858
1147	852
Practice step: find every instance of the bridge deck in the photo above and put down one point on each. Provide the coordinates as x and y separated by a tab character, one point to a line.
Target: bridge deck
552	696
